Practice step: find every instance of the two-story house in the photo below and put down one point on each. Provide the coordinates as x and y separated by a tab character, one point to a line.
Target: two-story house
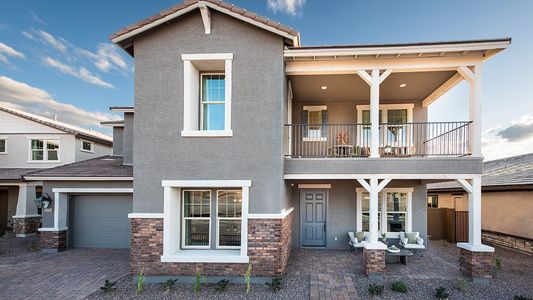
247	143
28	143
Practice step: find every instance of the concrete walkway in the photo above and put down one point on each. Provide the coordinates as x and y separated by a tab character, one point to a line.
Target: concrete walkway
73	274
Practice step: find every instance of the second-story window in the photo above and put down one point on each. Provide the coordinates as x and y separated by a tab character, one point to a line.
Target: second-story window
212	101
44	150
315	123
3	145
86	146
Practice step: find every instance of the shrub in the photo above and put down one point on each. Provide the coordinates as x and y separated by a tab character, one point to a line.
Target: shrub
275	284
441	293
462	285
499	263
140	281
399	287
375	289
198	282
167	285
222	285
108	286
247	278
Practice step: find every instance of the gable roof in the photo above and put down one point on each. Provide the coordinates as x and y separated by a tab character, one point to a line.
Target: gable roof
68	128
122	36
100	167
502	173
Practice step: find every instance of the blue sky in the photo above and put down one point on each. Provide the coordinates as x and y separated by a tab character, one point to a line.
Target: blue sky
55	56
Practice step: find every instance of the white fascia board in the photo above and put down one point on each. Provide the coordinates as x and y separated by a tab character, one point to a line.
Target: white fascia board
123	110
378	176
93	190
352	51
207	56
206	183
79	178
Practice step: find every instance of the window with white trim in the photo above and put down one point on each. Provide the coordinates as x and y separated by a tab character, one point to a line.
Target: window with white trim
396	211
196	218
3	145
392	203
365	211
87	146
229	217
315	120
207	83
44	150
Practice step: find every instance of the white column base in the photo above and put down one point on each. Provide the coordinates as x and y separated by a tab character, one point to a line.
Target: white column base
375	246
475	248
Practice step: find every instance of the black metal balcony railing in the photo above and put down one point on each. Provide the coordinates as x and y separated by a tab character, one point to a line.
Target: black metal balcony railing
428	139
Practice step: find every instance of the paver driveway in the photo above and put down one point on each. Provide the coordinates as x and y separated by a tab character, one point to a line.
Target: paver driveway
73	274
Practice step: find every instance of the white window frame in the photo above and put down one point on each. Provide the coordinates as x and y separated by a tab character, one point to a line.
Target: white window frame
384	211
225	218
319	137
191	95
183	219
202	102
4	138
85	150
383	112
45	150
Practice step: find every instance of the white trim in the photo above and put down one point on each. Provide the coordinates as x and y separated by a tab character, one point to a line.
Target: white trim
389	190
122	110
207	133
387	106
475	248
5	138
315	107
146	216
375	246
207	56
45	150
217	218
47	229
206	16
85	150
78	178
207	256
314	186
93	190
441	90
26	216
284	213
206	183
379	176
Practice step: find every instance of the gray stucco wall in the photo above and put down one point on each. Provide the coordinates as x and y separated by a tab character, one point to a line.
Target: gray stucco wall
342	210
48	186
98	149
255	150
127	142
118	140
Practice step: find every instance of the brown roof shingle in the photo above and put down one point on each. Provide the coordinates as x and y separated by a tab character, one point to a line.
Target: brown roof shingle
104	166
14	173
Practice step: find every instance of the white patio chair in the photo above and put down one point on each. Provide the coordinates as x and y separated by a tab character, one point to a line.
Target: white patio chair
415	246
354	242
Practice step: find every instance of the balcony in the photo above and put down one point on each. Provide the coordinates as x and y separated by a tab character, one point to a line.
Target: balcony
396	140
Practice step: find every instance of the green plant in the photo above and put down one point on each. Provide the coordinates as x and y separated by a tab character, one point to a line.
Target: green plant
399	287
140	281
375	289
499	263
198	282
520	297
247	278
275	284
441	293
462	285
222	284
167	285
108	286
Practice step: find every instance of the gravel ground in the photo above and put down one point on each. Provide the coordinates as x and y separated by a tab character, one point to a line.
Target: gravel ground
294	287
514	278
16	250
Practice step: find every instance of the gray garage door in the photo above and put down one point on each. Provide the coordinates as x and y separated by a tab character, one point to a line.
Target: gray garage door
100	221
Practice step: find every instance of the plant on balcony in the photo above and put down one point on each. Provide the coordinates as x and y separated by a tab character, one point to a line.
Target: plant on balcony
342	138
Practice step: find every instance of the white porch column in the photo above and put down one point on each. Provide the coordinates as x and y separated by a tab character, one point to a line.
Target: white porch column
474	213
373	211
60	211
384	221
26	201
374	114
475	110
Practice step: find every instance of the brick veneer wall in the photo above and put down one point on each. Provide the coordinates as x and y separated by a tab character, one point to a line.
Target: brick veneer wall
373	261
26	225
269	244
53	240
477	265
523	245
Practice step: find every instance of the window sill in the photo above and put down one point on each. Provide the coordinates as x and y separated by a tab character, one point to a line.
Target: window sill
44	161
206	256
87	151
207	133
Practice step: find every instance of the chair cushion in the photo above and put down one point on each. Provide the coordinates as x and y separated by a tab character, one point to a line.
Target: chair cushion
414	246
353	240
411	237
360	236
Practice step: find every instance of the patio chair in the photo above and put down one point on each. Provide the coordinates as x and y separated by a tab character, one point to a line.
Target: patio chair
354	242
412	242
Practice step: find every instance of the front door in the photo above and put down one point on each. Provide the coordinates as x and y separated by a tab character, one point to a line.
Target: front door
313	217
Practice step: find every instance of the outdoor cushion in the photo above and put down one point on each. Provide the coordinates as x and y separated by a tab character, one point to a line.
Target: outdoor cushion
419	240
360	236
411	237
353	239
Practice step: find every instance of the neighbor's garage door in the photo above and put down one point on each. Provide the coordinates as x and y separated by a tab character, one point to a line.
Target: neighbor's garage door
100	221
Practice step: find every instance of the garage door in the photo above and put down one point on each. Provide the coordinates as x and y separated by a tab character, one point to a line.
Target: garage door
100	221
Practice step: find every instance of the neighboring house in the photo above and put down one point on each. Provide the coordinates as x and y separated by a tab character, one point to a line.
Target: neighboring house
247	144
28	143
507	201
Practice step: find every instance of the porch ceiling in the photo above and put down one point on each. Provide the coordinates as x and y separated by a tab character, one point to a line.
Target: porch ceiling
350	87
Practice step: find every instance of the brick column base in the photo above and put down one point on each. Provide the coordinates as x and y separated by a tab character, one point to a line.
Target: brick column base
53	241
476	265
26	226
374	262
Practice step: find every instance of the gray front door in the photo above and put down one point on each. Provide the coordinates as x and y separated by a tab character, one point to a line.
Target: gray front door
313	217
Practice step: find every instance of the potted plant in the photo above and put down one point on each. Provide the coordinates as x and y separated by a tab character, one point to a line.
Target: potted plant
384	237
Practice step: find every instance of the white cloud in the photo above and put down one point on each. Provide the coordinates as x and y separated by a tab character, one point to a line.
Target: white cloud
10	51
3	59
56	43
512	139
107	57
29	35
31	99
81	73
291	7
36	18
